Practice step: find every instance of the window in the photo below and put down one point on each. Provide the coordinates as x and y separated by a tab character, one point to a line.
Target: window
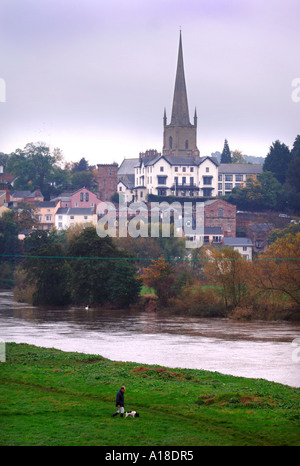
228	177
191	169
76	204
176	180
191	180
220	212
244	248
85	217
259	243
228	186
176	169
161	169
184	169
207	192
186	144
48	218
162	192
72	217
86	197
104	185
183	180
207	169
59	224
238	177
219	177
220	186
170	142
120	189
81	197
110	172
207	180
162	179
229	228
40	217
216	239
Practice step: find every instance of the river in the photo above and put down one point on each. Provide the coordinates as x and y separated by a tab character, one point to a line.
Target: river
268	350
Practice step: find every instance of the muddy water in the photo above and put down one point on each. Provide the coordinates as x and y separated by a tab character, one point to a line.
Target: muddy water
269	350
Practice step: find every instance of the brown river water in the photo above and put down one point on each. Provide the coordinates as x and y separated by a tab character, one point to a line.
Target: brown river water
268	350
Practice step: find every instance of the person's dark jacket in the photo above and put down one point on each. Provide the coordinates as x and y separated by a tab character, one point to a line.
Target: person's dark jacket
120	398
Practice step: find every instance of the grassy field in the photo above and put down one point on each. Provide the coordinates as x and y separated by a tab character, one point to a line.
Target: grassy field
49	397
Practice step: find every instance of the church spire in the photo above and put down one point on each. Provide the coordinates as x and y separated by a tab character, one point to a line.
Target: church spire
180	110
180	136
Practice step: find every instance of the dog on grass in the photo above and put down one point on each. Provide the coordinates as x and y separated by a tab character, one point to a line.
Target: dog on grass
132	414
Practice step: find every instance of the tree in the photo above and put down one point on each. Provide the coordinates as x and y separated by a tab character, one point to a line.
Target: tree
237	157
226	154
25	216
277	160
81	166
123	286
34	167
296	147
227	270
278	270
94	270
293	174
49	273
261	193
160	276
291	228
3	160
9	247
82	178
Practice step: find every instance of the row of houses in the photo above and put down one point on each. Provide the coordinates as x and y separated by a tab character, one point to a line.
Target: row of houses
80	208
164	175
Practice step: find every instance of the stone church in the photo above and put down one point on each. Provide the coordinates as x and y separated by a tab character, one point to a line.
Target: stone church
179	170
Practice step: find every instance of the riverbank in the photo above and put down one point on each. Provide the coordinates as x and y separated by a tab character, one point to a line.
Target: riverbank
50	397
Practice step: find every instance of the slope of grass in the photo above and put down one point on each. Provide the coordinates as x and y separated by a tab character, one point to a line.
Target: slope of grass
49	397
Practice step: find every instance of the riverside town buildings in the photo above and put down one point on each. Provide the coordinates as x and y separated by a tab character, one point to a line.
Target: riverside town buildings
179	169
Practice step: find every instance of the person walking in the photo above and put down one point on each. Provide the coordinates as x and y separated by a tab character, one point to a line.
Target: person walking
120	402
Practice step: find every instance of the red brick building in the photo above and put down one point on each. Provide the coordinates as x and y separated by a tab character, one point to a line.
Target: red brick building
107	179
219	213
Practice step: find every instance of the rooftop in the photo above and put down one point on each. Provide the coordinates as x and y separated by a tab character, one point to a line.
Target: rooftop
237	241
240	168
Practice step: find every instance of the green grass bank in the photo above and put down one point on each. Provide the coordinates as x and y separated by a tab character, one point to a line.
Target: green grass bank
50	397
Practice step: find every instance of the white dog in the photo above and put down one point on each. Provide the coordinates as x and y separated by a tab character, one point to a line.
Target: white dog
132	414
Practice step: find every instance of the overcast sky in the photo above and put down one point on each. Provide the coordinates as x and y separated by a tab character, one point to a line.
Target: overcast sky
93	77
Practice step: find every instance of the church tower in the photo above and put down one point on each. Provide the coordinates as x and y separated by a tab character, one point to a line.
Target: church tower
180	136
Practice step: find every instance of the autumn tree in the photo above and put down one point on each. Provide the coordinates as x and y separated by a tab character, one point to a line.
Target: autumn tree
278	269
160	276
226	269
